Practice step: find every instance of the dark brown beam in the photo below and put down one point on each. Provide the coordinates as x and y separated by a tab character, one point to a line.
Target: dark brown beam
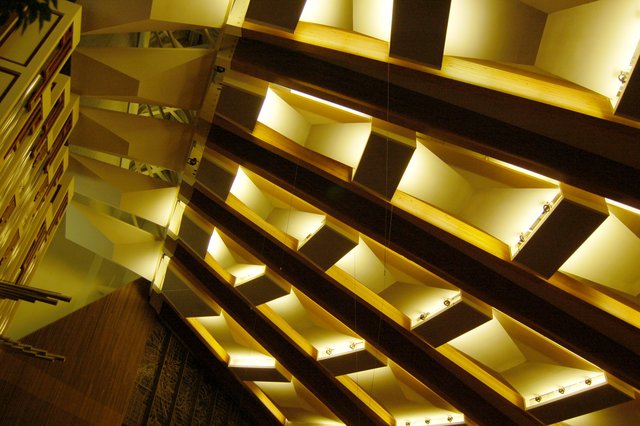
603	339
557	157
316	378
475	399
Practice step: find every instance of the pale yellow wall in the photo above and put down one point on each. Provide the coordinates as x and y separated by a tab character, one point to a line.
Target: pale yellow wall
203	13
430	179
220	252
333	13
344	142
250	195
497	30
158	142
98	13
590	44
506	212
296	223
284	119
362	264
373	18
124	244
87	277
609	257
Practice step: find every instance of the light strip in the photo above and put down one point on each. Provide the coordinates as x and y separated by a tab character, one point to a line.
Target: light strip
161	271
331	104
523	171
564	391
623	206
176	218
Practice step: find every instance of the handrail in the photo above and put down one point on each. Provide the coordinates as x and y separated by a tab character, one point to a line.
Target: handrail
9	290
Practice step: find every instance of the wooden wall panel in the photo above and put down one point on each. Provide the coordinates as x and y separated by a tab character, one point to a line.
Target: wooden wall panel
103	344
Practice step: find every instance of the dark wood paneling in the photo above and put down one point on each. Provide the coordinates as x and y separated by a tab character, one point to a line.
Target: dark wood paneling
103	344
603	339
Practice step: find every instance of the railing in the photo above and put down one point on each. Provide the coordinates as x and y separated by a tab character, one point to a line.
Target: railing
18	292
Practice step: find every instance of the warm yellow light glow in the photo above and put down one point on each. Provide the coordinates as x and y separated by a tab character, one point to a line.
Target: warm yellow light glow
434	307
331	104
256	361
363	265
283	118
430	179
333	13
523	171
563	390
161	272
602	54
368	17
340	347
176	218
299	224
327	131
491	345
373	18
463	26
219	251
623	206
250	195
440	420
244	272
608	257
531	216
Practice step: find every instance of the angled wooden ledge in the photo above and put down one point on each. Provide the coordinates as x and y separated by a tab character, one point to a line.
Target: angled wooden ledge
429	368
589	332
